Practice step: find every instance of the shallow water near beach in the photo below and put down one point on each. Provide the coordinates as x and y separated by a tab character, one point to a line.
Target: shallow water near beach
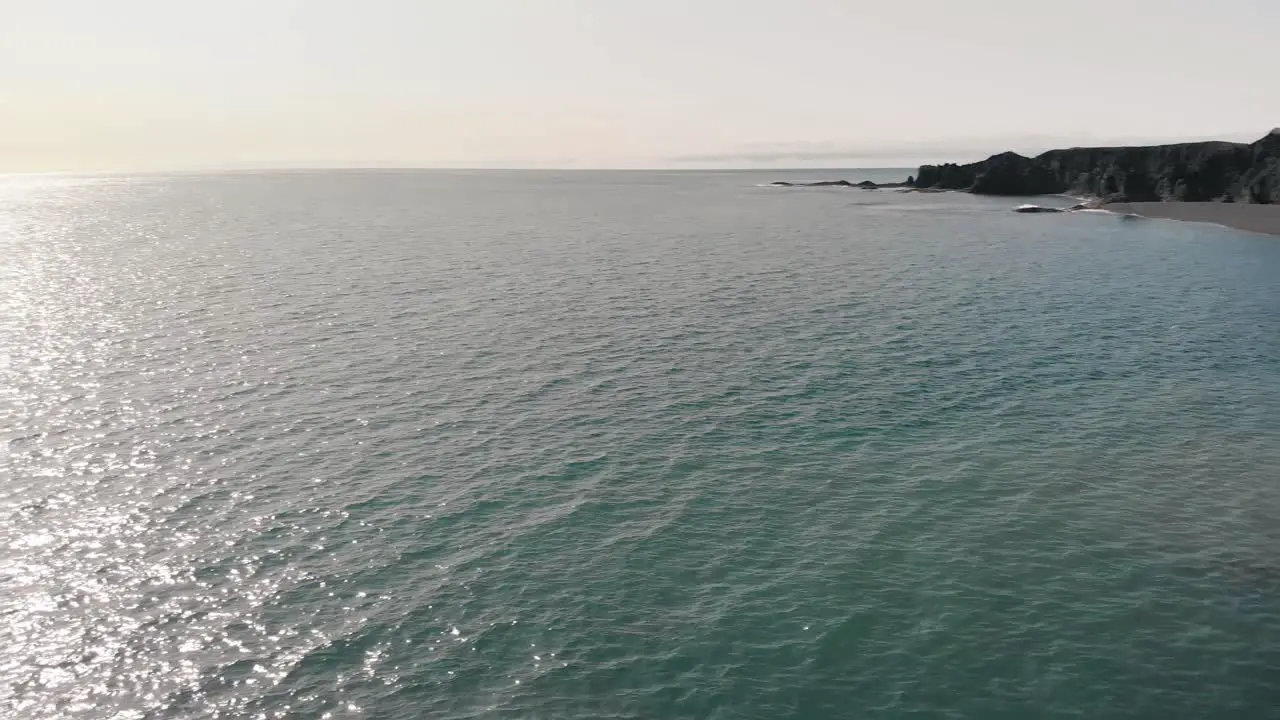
629	445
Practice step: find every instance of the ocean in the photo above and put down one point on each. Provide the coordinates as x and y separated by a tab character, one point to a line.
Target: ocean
479	444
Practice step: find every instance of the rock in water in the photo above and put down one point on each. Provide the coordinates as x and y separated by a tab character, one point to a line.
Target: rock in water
821	183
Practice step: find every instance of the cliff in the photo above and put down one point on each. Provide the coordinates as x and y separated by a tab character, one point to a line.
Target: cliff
1204	171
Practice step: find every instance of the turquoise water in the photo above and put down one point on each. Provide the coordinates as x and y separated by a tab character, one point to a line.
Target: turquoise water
629	445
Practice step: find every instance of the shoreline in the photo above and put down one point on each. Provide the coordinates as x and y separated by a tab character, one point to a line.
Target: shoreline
1257	218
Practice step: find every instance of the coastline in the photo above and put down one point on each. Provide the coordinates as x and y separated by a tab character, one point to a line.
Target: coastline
1250	217
1209	182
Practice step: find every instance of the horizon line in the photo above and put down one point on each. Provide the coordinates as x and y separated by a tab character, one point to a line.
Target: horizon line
433	168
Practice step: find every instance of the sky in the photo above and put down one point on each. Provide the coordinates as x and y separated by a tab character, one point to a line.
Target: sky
92	85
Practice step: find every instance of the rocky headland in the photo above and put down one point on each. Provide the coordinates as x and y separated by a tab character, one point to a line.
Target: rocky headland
1227	183
1186	172
865	184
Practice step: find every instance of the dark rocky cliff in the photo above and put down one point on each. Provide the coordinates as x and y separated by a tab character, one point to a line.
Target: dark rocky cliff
1205	171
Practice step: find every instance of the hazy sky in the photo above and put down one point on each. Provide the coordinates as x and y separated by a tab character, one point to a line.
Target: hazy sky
160	84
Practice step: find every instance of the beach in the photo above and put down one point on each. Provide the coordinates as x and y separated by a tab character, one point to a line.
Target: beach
1241	216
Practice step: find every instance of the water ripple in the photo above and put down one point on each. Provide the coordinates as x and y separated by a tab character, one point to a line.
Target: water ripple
457	445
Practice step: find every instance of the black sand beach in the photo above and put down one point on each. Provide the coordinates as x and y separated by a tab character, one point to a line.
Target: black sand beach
1241	216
